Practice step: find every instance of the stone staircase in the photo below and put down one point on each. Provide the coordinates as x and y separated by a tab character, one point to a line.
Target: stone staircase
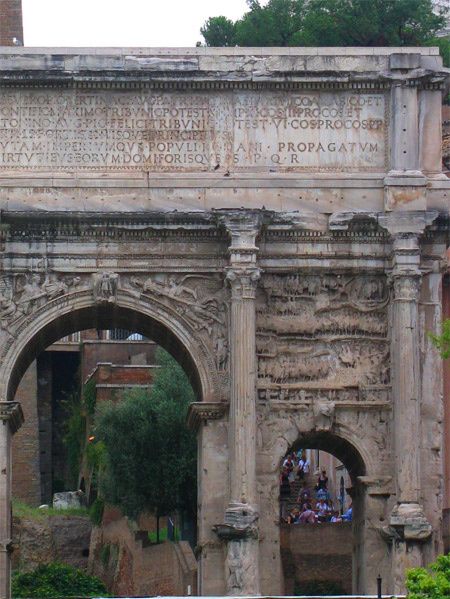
292	503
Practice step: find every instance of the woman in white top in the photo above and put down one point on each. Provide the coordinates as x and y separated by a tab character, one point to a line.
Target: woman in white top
303	468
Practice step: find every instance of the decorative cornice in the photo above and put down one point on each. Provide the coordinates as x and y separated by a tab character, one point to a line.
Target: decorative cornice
11	413
199	413
207	81
243	226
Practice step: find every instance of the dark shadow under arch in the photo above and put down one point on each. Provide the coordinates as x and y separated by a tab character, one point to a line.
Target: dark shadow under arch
105	316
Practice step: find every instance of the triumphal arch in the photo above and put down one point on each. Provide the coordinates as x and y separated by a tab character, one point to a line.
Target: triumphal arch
278	220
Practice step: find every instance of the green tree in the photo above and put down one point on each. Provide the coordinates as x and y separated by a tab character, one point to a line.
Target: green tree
423	585
150	454
219	31
278	23
442	341
371	22
329	23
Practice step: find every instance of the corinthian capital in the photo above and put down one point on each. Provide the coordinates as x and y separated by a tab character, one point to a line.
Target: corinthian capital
243	281
11	413
406	286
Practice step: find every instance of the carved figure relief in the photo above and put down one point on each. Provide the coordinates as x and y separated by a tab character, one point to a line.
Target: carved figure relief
323	330
221	348
323	415
201	300
21	294
105	286
239	565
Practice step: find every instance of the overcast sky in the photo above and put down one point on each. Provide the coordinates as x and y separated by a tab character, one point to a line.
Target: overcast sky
121	22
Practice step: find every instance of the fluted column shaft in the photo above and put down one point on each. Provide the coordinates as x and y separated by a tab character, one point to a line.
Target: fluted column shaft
406	366
243	280
240	527
11	418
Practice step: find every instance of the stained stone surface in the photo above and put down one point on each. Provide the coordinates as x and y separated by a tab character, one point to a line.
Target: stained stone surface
278	220
167	131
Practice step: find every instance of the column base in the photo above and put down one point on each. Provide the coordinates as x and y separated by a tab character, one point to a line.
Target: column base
240	530
408	178
405	191
407	523
240	522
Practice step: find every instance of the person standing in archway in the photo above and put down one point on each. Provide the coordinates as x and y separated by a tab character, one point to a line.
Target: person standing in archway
285	491
322	486
303	468
289	465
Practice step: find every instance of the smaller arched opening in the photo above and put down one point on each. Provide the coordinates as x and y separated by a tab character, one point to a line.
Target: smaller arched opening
322	513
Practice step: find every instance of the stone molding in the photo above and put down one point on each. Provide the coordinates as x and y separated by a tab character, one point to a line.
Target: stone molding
203	68
407	523
201	412
342	227
11	413
240	522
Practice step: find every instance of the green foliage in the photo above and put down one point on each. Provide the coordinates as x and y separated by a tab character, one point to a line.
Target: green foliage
423	585
75	434
442	341
329	23
95	455
150	453
109	555
278	23
371	22
163	535
23	510
318	588
443	43
96	511
80	411
56	580
219	31
90	397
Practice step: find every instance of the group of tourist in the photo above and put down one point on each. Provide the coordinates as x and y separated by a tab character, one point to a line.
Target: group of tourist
294	464
307	510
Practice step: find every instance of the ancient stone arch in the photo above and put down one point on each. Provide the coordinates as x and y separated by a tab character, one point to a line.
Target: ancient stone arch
73	311
278	220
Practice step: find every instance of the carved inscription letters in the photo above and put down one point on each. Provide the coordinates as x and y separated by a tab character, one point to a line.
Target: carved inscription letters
146	130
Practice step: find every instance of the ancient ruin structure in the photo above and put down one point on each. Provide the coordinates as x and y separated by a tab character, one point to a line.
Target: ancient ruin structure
277	219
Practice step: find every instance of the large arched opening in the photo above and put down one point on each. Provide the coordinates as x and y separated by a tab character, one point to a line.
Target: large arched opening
181	342
152	321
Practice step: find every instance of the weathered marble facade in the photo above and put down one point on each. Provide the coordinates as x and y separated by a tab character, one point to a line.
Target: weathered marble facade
276	219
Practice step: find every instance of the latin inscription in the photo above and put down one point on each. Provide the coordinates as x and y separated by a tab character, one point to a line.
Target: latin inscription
182	131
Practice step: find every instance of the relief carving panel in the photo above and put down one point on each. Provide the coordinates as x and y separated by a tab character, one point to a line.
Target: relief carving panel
21	294
201	300
319	331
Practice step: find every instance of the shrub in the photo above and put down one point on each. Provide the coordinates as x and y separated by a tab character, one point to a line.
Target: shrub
56	580
423	585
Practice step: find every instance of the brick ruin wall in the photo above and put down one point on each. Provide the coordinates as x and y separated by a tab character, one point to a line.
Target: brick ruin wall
313	552
11	25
